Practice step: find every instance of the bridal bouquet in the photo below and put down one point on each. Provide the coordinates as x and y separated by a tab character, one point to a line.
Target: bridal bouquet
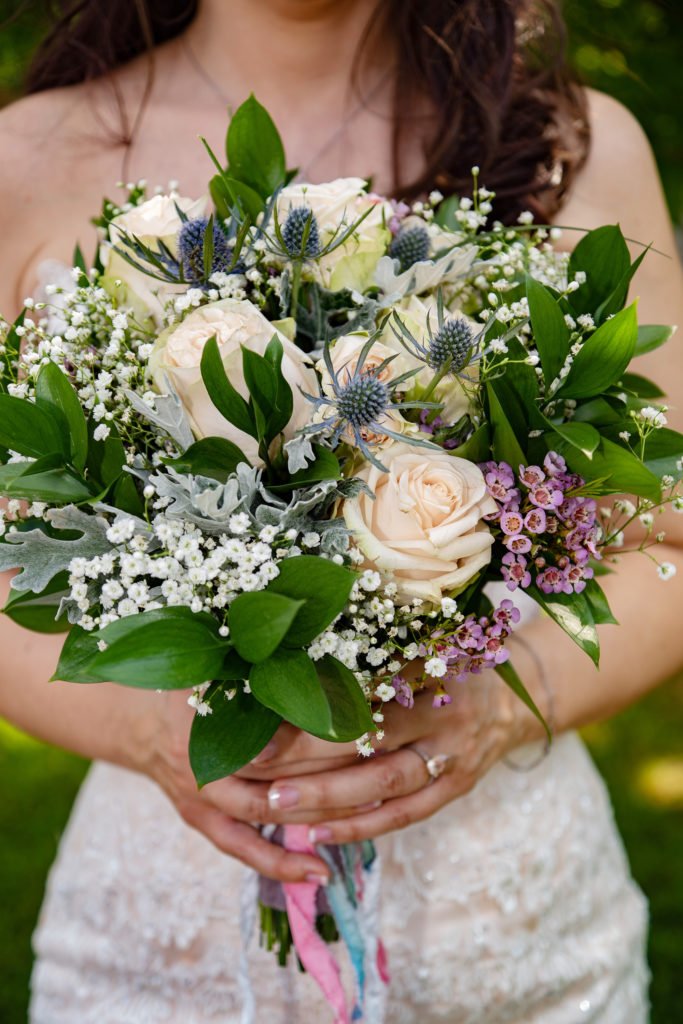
275	446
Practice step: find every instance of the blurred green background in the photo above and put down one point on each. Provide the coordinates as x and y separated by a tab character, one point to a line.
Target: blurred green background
632	49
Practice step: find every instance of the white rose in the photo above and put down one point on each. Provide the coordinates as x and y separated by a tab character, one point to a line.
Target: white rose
152	221
337	205
425	523
178	353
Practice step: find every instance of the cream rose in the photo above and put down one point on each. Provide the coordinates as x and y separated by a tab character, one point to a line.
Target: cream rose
157	219
178	352
341	202
425	523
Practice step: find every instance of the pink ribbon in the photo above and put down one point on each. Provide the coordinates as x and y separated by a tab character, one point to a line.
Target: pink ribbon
313	952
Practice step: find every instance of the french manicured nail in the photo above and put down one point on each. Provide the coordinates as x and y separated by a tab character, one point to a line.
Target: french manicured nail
369	807
318	879
283	797
269	751
319	834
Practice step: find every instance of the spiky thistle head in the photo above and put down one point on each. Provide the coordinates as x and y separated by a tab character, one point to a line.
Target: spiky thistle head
362	400
410	246
452	342
191	250
301	224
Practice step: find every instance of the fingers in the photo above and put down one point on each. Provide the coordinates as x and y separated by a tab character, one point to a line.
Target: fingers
377	779
395	814
246	844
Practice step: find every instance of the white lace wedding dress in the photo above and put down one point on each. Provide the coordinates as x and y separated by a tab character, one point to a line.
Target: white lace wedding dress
512	905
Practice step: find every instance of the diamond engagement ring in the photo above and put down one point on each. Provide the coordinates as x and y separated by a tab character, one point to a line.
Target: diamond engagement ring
436	764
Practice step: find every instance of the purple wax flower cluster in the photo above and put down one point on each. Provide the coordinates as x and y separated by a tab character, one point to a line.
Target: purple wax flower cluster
546	527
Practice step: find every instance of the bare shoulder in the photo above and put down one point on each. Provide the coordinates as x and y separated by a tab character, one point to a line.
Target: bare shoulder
52	146
619	182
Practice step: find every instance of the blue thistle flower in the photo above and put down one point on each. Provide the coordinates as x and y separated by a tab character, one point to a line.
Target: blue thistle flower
453	341
300	220
191	250
410	246
362	400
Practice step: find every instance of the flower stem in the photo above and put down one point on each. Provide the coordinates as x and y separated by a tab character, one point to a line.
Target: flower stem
296	285
438	376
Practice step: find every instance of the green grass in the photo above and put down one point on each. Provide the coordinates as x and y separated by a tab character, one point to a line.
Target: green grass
639	753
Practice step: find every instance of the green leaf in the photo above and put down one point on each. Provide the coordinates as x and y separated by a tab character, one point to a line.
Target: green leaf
604	257
43	480
125	496
617	300
215	457
619	468
597	411
207	249
283	404
261	381
320	587
288	684
224	396
509	676
54	391
651	336
597	601
505	446
476	448
254	149
232	735
38	612
325	467
31	430
663	450
351	716
259	621
105	459
245	199
603	357
580	435
167	649
641	386
573	614
551	334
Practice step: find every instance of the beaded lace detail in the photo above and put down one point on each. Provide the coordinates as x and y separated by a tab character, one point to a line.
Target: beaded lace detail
512	905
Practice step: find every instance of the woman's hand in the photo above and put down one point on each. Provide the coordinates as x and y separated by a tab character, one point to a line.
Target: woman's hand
346	799
224	810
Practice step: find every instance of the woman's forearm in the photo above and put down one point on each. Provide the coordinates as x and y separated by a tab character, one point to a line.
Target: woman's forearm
644	649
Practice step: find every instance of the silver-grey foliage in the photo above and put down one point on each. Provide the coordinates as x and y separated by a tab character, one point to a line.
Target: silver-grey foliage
41	557
168	415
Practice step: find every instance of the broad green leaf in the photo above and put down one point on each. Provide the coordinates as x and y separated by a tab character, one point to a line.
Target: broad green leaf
107	458
261	380
505	446
321	588
476	448
287	683
351	716
551	334
617	300
604	257
599	606
580	435
603	357
224	396
234	667
42	481
325	467
254	149
620	470
38	612
651	336
641	386
509	676
232	735
246	199
283	405
124	496
167	649
259	621
597	411
54	391
215	457
573	614
29	429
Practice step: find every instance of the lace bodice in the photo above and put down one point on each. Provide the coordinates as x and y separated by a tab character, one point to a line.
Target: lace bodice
512	905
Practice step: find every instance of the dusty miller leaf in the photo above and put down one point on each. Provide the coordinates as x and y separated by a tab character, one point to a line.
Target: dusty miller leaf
168	415
41	557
